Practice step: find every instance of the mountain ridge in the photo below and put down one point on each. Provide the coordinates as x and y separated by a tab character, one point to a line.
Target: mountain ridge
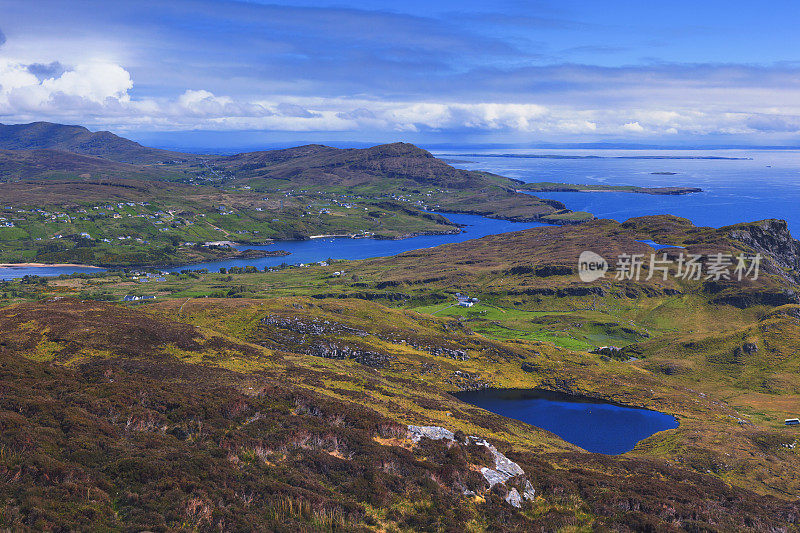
80	140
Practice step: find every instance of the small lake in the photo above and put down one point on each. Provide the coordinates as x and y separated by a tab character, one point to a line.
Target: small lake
599	427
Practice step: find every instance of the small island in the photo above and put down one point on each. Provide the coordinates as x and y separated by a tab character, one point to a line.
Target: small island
569	187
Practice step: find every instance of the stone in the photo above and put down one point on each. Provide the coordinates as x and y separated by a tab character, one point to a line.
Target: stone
506	465
501	462
514	498
529	493
432	432
749	348
493	477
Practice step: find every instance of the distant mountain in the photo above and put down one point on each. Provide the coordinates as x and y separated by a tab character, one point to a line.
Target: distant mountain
79	140
312	164
387	172
316	164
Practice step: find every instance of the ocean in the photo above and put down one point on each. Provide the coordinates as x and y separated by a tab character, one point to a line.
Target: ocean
761	184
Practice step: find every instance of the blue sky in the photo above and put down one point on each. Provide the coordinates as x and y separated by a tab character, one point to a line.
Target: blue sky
424	71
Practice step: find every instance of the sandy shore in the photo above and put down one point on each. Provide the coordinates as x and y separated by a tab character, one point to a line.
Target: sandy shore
36	265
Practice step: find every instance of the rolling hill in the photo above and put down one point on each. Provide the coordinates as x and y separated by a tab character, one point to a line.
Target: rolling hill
323	165
79	140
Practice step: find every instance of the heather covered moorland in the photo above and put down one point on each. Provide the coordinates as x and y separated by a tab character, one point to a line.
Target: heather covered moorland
285	397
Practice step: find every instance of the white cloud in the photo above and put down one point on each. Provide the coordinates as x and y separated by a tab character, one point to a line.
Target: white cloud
93	85
632	127
96	82
101	94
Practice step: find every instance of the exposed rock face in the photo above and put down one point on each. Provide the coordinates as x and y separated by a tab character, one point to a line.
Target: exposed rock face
502	464
514	498
611	351
365	295
560	292
505	473
458	355
432	432
331	350
468	380
746	299
789	310
493	477
311	326
771	238
530	492
313	336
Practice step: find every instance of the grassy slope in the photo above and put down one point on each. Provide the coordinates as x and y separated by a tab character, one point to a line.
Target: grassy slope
176	214
540	320
162	424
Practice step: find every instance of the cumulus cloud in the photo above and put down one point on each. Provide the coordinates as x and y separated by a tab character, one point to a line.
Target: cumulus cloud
205	104
95	82
94	85
259	65
101	93
632	127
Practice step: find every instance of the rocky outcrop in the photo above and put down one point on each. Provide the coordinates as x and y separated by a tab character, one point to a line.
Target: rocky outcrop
504	468
416	433
331	350
441	351
543	271
610	351
559	292
772	239
513	498
311	326
364	295
787	310
505	472
750	298
320	338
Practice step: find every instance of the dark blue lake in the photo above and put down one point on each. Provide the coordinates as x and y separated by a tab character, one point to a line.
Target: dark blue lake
594	426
